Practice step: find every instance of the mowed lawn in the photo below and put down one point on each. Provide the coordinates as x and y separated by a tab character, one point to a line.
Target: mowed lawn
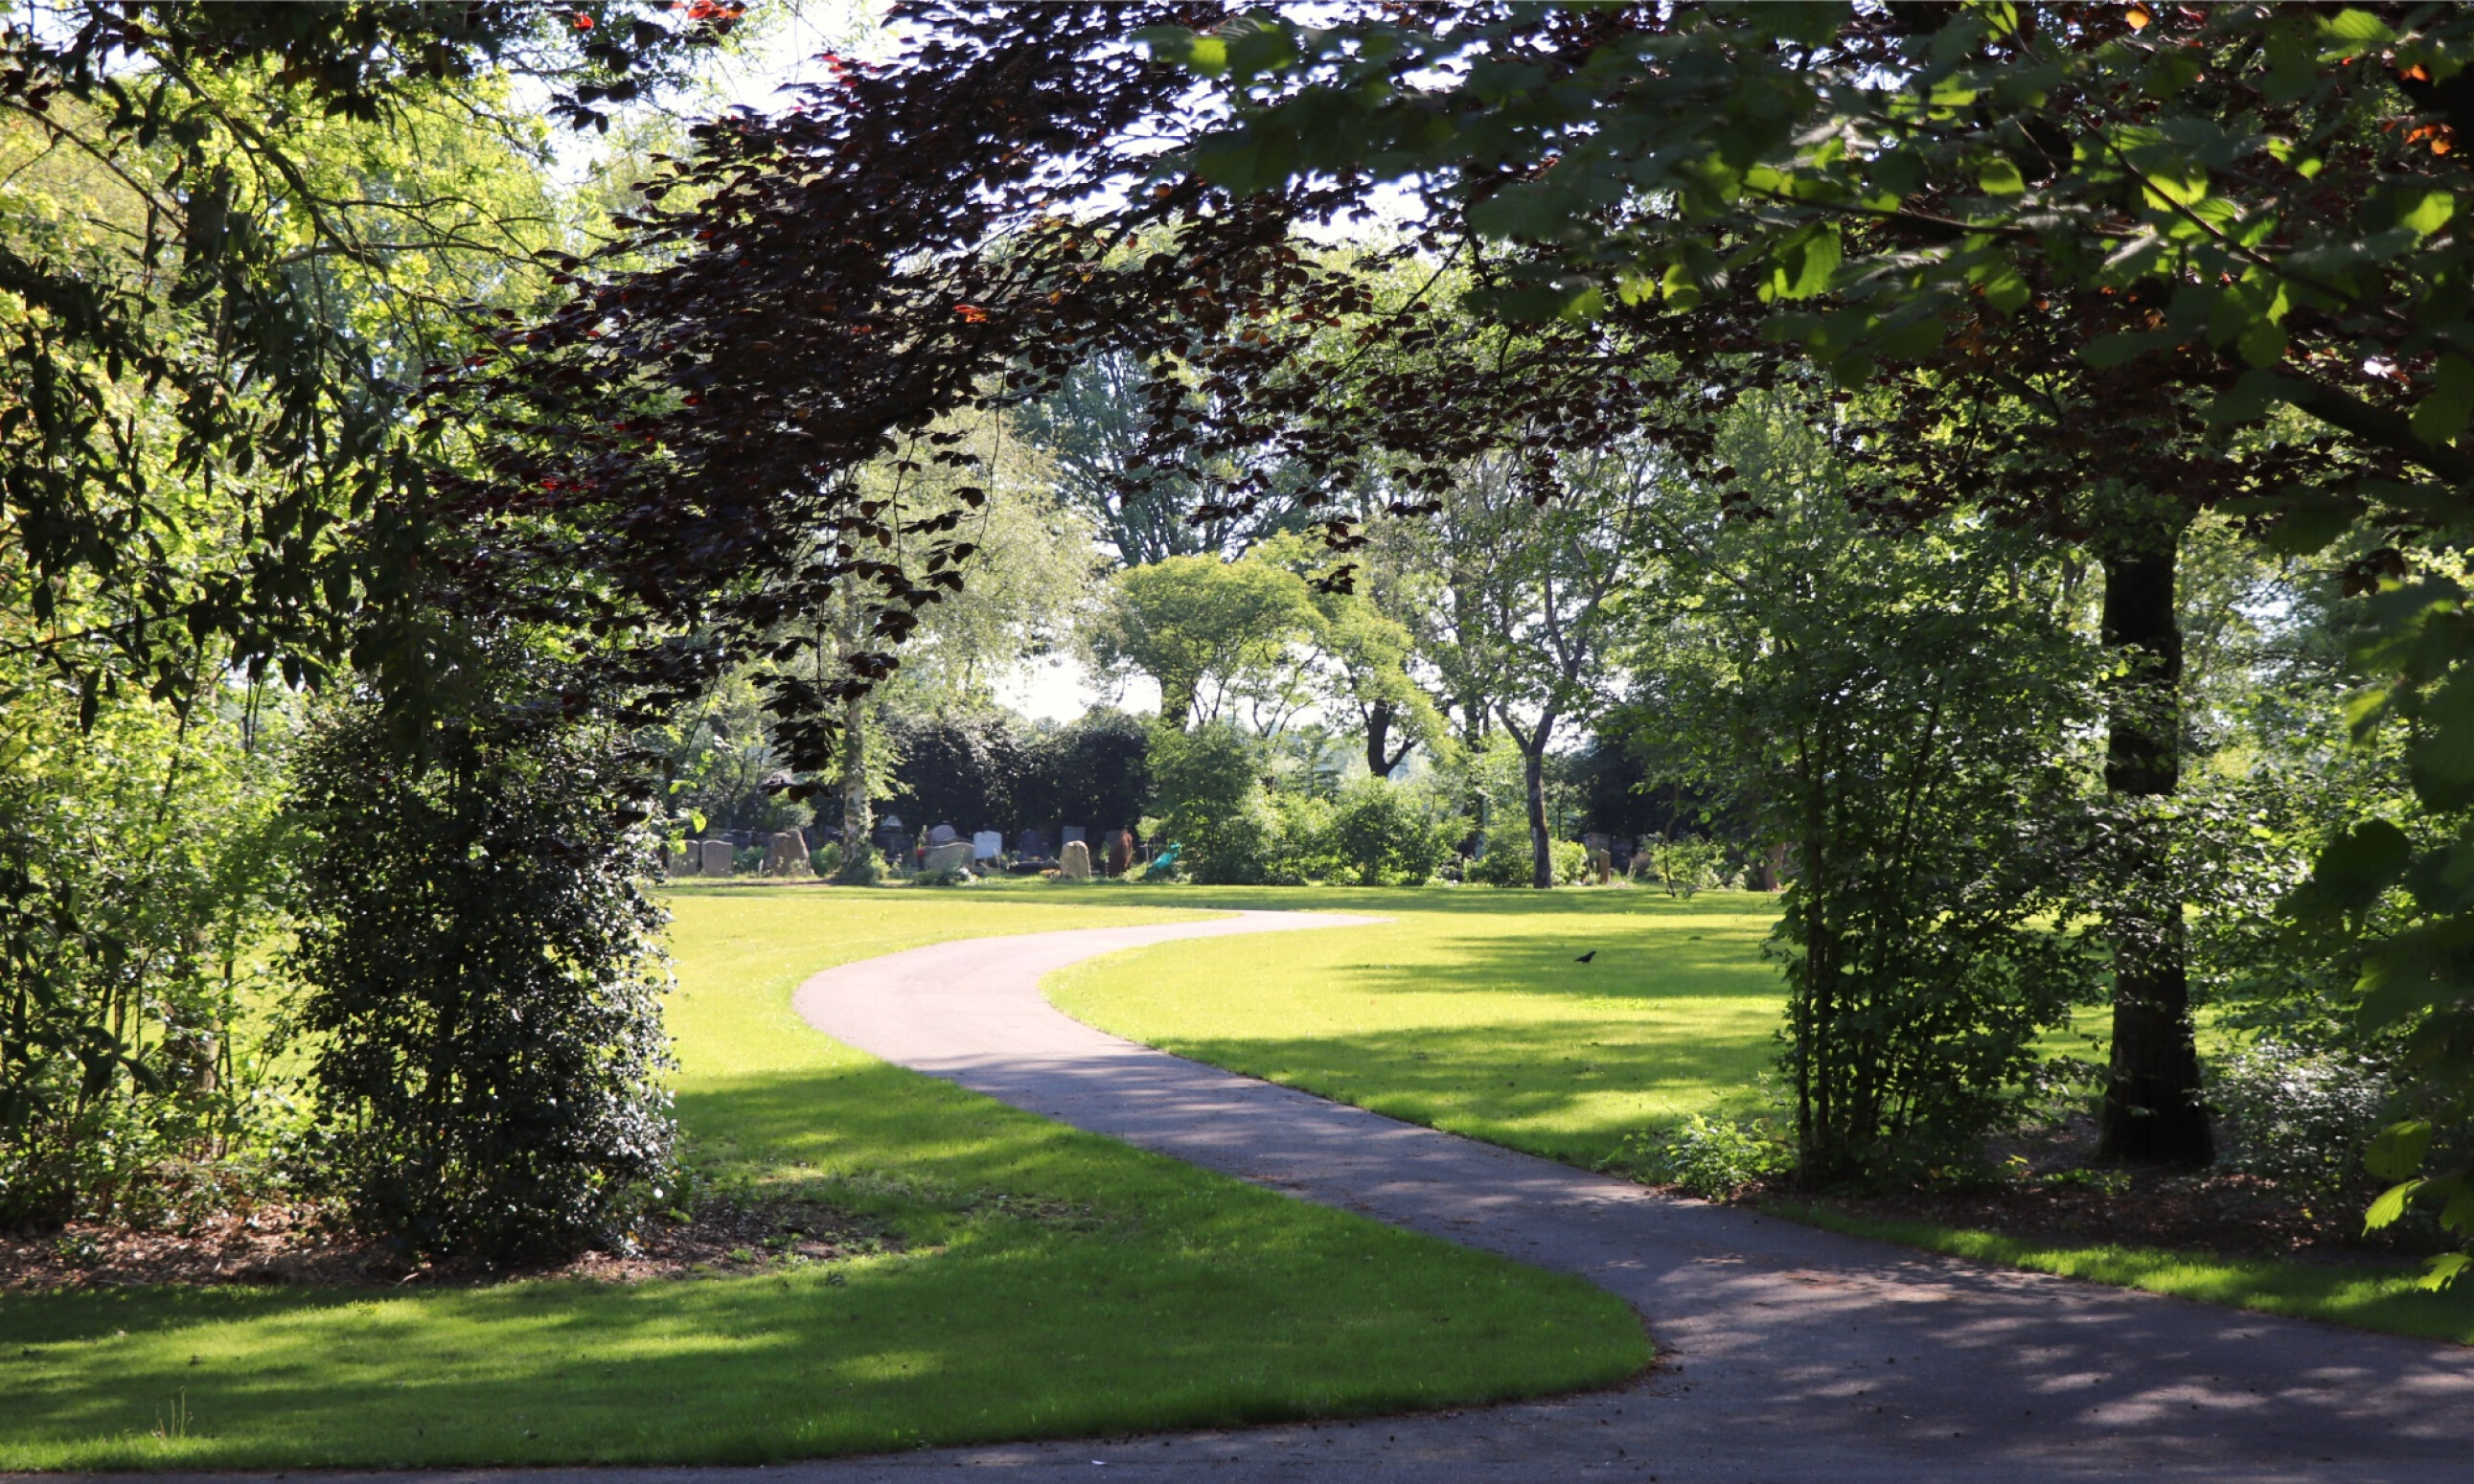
1469	1011
1049	1282
1468	1014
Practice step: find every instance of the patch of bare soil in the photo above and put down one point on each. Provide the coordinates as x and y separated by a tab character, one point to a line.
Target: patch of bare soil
2052	1190
288	1246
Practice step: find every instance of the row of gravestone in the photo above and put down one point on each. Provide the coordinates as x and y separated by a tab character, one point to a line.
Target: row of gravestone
786	852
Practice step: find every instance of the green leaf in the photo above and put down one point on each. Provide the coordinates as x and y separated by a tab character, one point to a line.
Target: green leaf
2247	401
2389	1205
2428	213
2355	868
2441	756
2396	1151
2440	416
2443	1268
2001	177
2357	29
2114	350
2312	520
2262	343
1179	46
1807	263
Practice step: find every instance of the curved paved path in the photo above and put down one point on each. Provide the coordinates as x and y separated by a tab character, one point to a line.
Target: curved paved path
1792	1355
1790	1352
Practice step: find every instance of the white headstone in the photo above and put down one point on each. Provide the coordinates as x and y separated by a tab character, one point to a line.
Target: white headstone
717	858
986	845
1077	863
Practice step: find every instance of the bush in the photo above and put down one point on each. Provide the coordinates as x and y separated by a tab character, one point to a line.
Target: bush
1509	862
826	858
2299	1118
1212	804
1713	1160
1683	866
140	879
485	979
1391	834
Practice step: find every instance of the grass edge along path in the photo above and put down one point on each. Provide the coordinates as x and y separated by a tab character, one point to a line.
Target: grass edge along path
1394	1020
2384	1299
1042	1283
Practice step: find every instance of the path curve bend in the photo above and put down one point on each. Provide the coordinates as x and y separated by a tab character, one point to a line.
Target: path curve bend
1789	1354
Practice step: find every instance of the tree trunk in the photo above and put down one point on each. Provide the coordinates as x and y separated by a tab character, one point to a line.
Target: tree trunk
1542	851
858	819
2153	1110
1380	759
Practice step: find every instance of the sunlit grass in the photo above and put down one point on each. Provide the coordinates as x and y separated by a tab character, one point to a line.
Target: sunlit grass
1109	1290
1468	1012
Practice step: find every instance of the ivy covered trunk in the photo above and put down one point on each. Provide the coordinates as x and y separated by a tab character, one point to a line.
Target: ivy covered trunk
2153	1108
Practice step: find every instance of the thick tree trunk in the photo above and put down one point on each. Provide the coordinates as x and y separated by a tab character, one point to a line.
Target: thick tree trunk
1542	849
2153	1108
1380	759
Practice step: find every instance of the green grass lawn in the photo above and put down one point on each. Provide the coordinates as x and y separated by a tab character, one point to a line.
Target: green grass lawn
1468	1013
1052	1283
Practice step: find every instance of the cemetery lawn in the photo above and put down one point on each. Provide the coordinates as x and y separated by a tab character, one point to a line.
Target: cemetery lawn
1036	1281
1468	1013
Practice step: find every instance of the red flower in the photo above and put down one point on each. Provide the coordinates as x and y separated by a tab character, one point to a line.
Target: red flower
583	22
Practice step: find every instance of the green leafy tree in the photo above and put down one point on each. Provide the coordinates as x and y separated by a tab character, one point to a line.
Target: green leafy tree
484	978
1216	636
1900	712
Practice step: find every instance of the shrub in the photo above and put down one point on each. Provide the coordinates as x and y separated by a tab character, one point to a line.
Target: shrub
485	981
1509	862
140	879
1392	834
826	858
1212	804
1715	1159
1683	866
2299	1118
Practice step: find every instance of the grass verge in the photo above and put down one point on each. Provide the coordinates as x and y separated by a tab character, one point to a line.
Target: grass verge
2384	1297
1050	1282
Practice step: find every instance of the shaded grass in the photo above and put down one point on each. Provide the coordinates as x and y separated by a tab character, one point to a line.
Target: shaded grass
1054	1283
1468	1012
2381	1297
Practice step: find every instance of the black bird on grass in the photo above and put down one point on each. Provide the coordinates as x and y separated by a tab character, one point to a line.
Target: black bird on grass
1587	957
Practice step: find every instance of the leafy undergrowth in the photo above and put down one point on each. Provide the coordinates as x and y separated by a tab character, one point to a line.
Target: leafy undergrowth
1031	1281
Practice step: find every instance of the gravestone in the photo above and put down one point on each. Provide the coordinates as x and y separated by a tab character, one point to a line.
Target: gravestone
680	862
1072	833
942	835
986	845
1032	846
715	858
1120	848
1076	864
786	854
948	856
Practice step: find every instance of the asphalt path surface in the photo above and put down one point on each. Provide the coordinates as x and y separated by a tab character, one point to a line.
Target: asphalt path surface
1790	1355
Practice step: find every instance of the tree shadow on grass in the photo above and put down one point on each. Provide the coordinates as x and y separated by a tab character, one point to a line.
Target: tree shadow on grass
1057	1283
